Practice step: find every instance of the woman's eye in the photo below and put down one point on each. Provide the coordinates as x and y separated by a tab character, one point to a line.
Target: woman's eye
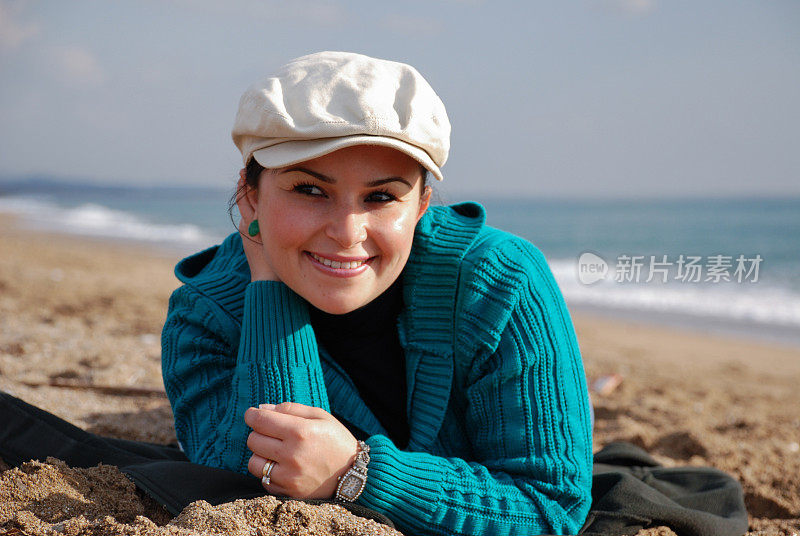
380	197
309	189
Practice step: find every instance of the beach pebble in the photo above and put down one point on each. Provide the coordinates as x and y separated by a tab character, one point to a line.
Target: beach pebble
605	385
149	338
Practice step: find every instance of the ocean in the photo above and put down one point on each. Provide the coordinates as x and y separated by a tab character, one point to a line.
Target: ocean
712	265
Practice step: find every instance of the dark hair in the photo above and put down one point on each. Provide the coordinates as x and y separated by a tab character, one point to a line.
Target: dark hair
252	172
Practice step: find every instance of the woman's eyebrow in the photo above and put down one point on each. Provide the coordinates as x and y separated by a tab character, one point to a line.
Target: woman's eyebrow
331	180
378	182
320	176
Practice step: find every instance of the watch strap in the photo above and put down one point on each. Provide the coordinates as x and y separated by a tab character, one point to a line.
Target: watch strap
358	471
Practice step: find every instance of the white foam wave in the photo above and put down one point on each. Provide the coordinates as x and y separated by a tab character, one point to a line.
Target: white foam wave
754	302
96	220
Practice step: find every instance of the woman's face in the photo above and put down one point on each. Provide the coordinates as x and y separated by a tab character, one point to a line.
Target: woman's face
338	229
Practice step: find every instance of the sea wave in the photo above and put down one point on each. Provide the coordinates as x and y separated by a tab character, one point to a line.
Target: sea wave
90	219
760	302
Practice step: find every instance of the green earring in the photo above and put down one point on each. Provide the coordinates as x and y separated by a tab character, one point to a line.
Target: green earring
252	229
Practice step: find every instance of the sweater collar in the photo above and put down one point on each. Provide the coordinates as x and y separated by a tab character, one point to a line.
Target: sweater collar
442	238
426	326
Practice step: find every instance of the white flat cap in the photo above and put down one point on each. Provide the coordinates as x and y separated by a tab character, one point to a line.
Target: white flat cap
323	102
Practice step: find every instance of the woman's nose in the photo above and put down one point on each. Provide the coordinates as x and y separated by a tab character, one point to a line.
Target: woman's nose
348	228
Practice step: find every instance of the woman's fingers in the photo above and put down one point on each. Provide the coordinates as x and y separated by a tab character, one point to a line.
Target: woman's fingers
288	420
265	446
256	466
274	423
300	410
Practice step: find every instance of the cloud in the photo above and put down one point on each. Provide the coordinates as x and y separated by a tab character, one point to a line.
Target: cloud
630	7
76	66
12	31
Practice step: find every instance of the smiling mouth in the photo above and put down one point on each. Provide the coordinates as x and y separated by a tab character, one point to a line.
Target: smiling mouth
339	265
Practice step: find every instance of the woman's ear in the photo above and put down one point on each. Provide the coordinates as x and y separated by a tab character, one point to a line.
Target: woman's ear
424	201
247	194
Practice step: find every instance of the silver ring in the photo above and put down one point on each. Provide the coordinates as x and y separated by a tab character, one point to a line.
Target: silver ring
266	471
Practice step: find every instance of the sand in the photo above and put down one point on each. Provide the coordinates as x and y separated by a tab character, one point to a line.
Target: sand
79	336
52	498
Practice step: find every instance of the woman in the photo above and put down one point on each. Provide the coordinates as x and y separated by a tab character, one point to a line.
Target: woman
353	342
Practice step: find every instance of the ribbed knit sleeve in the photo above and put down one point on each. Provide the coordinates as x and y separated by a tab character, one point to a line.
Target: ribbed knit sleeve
526	417
211	384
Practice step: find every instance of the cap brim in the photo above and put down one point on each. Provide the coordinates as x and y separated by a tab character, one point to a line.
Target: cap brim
292	152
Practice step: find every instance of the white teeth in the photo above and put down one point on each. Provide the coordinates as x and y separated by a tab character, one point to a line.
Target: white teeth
349	265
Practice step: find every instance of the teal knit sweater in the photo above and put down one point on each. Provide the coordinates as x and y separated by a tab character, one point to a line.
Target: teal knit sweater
497	404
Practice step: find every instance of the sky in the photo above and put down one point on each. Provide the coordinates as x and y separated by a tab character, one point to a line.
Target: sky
575	99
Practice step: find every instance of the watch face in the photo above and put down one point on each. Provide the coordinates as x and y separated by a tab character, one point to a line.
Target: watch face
352	484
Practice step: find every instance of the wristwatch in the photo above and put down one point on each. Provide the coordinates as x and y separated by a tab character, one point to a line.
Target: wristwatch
352	483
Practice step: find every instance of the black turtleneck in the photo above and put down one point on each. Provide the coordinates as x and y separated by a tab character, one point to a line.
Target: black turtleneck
365	344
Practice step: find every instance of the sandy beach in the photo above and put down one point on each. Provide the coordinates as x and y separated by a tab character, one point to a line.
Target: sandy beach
80	324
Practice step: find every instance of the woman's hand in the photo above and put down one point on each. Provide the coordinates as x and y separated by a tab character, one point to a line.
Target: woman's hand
311	448
260	269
